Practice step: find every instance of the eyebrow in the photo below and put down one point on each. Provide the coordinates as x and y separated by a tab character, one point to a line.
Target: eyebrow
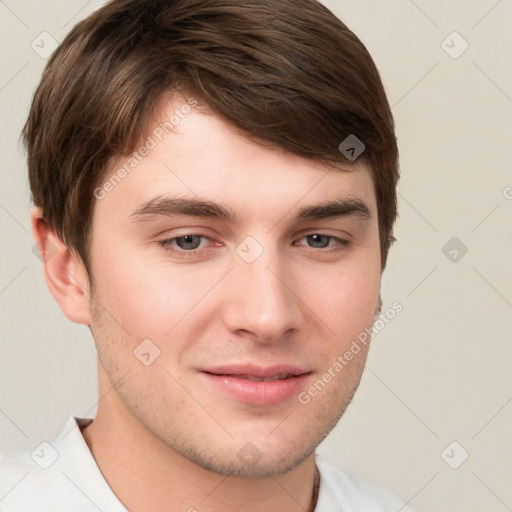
180	206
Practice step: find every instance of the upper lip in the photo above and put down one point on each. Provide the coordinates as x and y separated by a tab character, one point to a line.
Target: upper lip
256	371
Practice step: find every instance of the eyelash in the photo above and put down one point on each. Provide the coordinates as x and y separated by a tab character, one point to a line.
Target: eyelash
168	243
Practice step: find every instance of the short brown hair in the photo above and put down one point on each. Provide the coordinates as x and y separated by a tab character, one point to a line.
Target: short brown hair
285	72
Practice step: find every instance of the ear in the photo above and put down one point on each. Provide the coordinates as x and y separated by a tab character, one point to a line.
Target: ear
65	273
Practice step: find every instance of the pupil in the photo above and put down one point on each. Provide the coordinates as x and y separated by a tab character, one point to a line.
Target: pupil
318	239
187	242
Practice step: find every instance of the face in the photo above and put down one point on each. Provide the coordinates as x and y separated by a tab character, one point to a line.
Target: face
222	319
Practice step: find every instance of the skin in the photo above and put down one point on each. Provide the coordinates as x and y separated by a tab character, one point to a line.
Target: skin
163	438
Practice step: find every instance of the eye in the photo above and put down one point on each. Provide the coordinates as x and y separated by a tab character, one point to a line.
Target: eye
189	243
320	241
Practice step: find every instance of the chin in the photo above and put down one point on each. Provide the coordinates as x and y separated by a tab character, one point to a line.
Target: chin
249	462
246	456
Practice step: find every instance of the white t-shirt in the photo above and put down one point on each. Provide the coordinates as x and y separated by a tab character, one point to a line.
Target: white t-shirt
63	476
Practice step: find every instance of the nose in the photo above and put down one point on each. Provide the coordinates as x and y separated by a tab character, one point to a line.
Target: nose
261	301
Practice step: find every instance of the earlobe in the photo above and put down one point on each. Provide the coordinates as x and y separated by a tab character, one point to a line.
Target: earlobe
65	273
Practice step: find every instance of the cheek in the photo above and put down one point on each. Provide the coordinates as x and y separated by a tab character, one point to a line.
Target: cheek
129	290
150	297
346	298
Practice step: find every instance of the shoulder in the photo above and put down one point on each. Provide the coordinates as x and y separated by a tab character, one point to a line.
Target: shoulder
23	484
56	476
340	490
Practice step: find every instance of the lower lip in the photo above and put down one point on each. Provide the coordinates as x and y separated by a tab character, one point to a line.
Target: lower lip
259	392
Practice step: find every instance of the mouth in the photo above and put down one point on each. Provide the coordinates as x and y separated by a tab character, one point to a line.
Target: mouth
255	378
254	385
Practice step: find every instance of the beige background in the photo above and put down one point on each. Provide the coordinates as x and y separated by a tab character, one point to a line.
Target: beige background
440	371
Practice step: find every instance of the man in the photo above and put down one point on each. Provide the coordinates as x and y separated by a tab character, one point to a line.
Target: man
214	185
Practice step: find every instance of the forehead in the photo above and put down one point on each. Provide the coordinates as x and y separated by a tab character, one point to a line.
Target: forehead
192	153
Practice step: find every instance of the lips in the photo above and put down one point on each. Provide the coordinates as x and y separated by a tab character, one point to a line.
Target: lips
256	385
255	378
254	372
